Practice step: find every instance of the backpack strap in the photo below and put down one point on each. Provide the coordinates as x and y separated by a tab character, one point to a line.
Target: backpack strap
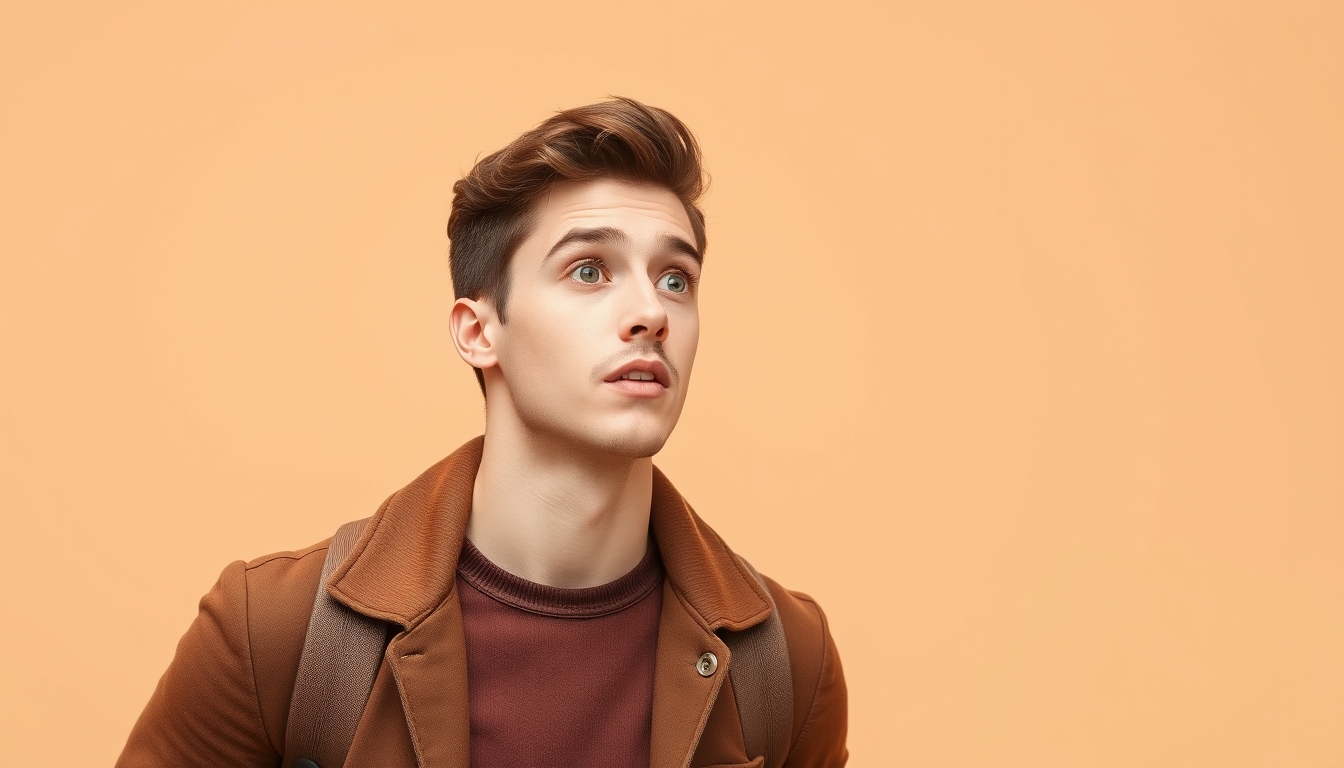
762	683
341	655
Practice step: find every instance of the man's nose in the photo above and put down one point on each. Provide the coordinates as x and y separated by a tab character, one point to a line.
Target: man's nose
645	317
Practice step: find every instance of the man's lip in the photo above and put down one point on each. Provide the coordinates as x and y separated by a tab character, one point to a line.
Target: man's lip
656	367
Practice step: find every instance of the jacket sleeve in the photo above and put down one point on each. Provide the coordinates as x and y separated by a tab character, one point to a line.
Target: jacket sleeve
205	710
820	698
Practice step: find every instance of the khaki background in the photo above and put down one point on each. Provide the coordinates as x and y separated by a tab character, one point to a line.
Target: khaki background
1023	341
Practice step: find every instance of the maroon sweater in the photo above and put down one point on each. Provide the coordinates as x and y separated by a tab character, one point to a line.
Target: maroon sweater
559	677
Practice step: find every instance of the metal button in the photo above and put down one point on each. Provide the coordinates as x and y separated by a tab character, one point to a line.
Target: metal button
707	664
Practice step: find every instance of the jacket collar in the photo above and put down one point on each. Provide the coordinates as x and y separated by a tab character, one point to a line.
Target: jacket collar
405	563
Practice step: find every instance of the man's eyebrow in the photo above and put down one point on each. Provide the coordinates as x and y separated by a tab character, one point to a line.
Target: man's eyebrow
614	236
592	235
677	245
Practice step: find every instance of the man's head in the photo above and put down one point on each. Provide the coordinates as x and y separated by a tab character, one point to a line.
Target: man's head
584	235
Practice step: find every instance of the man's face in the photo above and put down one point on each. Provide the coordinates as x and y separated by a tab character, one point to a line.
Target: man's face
603	320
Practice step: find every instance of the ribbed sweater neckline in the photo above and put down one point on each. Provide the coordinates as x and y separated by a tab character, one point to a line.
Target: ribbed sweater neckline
583	603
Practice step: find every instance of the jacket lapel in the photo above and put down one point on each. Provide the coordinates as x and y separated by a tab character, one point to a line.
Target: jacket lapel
682	697
707	589
404	570
430	665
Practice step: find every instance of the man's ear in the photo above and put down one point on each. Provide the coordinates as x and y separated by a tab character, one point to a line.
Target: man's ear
473	330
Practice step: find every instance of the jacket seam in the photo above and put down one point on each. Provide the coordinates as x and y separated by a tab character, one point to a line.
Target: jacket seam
251	663
821	669
292	556
288	554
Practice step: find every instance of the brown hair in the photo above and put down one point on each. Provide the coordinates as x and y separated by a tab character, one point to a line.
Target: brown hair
620	138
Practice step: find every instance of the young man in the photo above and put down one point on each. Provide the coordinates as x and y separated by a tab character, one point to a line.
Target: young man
550	599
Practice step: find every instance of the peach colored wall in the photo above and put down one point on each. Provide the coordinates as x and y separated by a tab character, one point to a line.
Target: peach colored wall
1023	343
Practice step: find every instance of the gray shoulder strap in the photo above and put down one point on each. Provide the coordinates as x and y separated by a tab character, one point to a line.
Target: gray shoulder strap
341	654
763	684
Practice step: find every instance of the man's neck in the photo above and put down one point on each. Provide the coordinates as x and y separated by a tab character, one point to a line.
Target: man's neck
554	515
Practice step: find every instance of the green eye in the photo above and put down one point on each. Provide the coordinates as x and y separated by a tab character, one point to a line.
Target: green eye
672	282
587	274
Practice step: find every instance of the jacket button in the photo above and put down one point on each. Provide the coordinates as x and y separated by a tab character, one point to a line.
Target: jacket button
707	664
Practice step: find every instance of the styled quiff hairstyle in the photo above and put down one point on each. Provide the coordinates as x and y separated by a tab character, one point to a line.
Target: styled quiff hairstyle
620	138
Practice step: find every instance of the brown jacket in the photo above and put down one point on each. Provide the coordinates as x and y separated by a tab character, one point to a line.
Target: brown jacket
224	699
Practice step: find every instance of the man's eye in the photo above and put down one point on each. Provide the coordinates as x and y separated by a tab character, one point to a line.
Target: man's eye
586	273
673	282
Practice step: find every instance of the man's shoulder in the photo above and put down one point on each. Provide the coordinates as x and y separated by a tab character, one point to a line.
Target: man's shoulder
280	589
819	692
805	626
262	585
228	688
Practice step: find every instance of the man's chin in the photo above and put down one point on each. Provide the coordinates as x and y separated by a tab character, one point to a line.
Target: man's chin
625	440
632	446
623	437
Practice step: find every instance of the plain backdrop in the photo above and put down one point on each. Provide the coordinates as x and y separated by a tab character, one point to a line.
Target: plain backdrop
1022	350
